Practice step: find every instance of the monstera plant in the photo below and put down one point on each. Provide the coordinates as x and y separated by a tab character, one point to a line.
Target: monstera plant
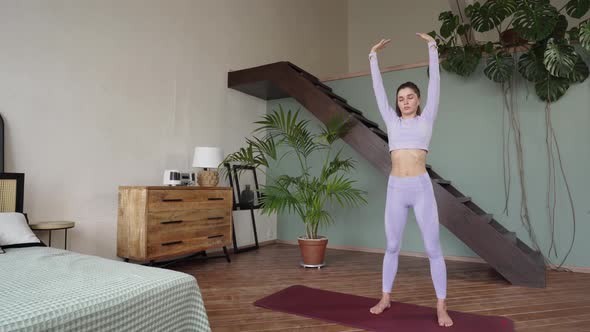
534	40
541	30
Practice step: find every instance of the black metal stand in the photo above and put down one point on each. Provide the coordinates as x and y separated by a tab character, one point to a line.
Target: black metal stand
237	249
242	206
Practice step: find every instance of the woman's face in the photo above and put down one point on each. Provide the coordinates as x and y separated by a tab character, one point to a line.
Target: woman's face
408	101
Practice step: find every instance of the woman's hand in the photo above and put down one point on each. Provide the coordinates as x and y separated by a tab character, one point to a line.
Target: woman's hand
426	37
380	45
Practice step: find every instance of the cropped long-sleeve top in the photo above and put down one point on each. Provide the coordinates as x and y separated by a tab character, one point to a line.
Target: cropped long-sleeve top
412	133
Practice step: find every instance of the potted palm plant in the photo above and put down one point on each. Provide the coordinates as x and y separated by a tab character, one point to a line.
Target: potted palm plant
309	192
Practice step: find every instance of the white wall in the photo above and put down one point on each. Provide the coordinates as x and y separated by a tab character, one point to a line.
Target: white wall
97	94
370	21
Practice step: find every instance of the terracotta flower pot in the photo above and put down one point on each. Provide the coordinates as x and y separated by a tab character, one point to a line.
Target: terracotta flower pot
313	251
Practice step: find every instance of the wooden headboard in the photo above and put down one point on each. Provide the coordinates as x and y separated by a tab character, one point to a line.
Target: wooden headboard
11	184
1	144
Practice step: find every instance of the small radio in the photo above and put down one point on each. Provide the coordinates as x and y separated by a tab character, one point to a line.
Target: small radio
187	179
171	177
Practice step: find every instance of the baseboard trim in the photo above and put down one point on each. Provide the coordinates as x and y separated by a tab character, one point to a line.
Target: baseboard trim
579	269
260	244
402	253
423	255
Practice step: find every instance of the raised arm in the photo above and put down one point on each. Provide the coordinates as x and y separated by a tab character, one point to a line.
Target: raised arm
387	113
431	109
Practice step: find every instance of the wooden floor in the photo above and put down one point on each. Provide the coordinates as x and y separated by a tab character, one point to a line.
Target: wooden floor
229	289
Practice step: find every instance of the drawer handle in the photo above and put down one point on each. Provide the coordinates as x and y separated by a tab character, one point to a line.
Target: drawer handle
171	243
171	222
171	199
214	218
214	236
215	198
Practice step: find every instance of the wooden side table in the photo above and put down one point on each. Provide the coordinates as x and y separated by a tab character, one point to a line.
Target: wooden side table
54	226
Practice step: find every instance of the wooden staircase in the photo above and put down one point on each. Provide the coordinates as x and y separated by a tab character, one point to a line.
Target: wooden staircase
500	248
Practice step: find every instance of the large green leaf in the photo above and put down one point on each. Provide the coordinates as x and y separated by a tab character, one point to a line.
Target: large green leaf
281	197
580	72
499	67
450	23
445	15
585	35
574	34
535	20
336	128
287	128
335	166
462	60
577	8
559	58
489	15
551	88
502	8
340	189
463	28
530	65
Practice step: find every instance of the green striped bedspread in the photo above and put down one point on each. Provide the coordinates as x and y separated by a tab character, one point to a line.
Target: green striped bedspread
48	289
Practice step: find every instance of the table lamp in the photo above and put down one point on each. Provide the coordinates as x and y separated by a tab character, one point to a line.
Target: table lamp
207	157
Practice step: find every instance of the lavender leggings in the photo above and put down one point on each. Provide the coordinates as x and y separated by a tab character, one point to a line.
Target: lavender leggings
415	192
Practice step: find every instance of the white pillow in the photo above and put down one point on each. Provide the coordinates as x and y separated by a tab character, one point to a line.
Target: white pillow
15	230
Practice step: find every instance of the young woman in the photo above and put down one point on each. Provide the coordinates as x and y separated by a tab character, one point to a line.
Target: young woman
409	129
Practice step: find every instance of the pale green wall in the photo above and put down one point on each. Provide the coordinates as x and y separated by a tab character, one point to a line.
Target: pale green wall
466	148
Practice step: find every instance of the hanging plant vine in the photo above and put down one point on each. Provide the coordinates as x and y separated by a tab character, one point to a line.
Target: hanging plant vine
548	59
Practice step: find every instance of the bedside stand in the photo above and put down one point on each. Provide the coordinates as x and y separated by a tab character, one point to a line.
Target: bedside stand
54	226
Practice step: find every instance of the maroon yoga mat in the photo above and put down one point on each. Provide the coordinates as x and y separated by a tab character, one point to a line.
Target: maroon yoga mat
353	311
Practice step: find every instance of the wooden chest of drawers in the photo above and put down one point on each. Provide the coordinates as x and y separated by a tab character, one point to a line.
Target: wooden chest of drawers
162	222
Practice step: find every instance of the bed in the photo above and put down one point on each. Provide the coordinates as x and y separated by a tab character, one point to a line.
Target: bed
49	289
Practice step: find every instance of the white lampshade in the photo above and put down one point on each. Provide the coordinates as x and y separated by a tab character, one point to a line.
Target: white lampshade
207	157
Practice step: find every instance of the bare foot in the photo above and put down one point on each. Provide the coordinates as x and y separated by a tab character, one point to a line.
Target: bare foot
381	306
443	317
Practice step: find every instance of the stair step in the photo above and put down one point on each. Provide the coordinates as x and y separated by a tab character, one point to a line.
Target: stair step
348	107
379	132
498	227
330	93
488	217
310	77
305	73
528	250
366	121
511	236
441	181
464	199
